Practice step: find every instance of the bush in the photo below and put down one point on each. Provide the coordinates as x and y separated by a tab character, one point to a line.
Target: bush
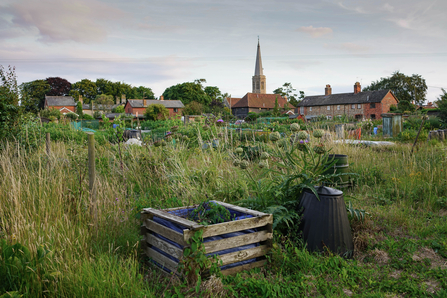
48	113
156	112
71	116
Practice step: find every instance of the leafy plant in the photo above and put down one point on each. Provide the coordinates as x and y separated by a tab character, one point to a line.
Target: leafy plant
23	272
356	214
208	213
195	263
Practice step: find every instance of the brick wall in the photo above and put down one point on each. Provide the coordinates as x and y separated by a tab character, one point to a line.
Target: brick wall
73	109
364	109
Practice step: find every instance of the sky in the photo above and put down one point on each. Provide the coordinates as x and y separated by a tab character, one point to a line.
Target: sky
160	43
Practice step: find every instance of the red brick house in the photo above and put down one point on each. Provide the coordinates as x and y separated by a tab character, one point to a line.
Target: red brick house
65	104
257	103
361	105
134	106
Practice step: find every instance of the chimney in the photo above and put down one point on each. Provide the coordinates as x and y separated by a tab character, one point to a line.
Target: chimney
123	98
327	90
144	103
161	97
81	100
357	88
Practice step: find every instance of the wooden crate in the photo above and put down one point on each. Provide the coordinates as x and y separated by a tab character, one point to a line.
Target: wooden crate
161	242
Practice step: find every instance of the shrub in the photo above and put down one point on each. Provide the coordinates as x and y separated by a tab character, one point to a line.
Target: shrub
156	112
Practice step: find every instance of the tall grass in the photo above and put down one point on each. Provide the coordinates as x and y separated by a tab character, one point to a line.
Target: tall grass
44	202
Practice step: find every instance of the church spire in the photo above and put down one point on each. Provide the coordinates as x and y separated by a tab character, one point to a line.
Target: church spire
258	66
259	81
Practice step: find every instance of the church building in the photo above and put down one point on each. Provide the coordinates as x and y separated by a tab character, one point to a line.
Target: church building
258	100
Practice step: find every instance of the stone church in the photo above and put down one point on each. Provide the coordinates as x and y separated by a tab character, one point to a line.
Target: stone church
258	100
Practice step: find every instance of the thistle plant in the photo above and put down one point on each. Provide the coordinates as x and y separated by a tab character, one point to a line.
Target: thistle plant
318	133
294	127
244	164
274	136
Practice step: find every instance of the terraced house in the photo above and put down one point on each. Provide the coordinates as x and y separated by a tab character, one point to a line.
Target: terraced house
361	105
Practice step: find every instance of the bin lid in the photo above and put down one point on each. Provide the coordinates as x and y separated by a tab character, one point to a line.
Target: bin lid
328	191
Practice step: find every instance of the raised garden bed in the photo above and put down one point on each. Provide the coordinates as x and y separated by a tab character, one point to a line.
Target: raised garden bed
240	244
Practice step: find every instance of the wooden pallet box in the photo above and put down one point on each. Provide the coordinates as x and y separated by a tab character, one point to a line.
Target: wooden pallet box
240	244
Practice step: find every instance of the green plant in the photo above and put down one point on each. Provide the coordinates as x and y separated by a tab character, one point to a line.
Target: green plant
195	264
355	214
208	213
23	272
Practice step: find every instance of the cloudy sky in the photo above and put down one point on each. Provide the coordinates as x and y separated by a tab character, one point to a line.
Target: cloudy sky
160	43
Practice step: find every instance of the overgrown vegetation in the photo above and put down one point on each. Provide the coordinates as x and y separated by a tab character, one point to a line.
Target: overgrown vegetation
51	246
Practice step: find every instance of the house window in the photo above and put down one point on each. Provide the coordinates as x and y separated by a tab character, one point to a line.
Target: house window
372	105
175	110
373	116
358	116
338	107
310	109
328	108
352	106
359	106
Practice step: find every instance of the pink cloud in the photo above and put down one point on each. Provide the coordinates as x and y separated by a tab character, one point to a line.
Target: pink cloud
315	32
63	20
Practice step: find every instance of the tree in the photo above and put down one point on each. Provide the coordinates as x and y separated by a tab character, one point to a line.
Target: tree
58	86
405	88
275	111
442	106
156	112
9	98
193	108
212	92
118	109
79	109
143	92
288	91
86	88
187	92
33	95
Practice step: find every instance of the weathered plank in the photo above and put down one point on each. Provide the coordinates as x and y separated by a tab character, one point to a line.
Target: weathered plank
233	226
243	255
165	232
161	259
240	209
236	241
173	218
143	230
143	245
179	208
164	246
244	267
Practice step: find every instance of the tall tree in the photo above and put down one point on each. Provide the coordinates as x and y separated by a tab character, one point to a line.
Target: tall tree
275	111
193	108
9	96
59	86
143	92
442	106
86	88
288	91
405	88
33	95
187	92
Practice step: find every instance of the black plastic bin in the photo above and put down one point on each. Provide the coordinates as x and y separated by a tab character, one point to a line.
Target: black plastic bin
324	222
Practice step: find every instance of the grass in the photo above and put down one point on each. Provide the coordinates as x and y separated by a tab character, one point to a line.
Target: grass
400	249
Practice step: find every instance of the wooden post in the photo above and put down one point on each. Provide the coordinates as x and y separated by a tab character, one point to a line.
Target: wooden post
48	143
417	136
91	176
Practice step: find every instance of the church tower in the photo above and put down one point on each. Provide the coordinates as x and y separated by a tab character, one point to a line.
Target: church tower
259	82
